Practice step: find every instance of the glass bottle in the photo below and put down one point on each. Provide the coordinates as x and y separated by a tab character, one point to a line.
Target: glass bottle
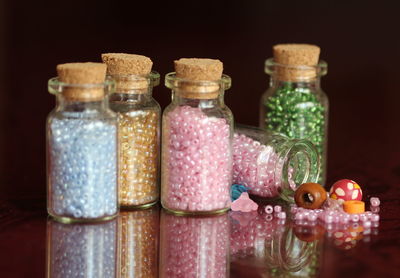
196	147
297	106
81	153
194	246
82	249
139	139
138	242
272	164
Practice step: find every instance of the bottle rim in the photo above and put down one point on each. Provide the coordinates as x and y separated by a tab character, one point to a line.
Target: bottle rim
321	68
173	82
152	79
298	149
56	87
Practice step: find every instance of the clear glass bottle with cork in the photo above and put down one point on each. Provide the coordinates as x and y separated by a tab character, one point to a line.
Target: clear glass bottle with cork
138	128
295	104
82	145
196	143
272	165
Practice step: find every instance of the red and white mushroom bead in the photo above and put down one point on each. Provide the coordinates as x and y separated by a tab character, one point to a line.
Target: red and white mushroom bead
345	190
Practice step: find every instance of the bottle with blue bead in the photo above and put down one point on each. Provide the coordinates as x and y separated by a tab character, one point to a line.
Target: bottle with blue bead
82	145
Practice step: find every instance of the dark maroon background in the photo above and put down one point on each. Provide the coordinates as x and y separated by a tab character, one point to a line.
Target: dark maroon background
359	39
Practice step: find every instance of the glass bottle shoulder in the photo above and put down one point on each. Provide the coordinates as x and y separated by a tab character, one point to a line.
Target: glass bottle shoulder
134	106
208	108
82	113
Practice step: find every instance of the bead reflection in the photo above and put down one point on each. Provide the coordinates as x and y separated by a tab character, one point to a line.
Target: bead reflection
270	246
81	250
138	239
194	246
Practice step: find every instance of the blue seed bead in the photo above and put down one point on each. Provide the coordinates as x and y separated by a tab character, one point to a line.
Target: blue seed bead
83	168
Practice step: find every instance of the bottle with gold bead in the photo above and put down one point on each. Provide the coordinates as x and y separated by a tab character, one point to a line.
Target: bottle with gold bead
138	127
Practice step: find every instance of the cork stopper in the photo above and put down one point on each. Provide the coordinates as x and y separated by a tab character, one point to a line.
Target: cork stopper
88	74
195	69
130	71
296	61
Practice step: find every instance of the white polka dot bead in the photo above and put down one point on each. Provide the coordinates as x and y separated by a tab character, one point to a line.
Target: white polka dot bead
82	167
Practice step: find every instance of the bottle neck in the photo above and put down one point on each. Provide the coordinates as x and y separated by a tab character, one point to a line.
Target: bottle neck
65	104
297	163
184	99
313	84
132	97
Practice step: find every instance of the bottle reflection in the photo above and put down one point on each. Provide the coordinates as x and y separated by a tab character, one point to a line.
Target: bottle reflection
271	246
138	239
196	246
81	250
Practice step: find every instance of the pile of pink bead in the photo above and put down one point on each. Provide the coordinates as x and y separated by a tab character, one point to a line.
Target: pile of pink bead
198	168
332	213
254	165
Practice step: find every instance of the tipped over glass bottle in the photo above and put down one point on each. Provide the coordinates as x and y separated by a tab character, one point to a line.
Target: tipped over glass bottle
270	164
81	145
138	128
295	105
197	136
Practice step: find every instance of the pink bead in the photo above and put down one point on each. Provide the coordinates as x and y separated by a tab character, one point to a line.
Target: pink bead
355	217
269	209
367	224
198	179
375	209
375	217
363	217
277	208
299	216
281	215
252	164
375	202
244	203
328	219
293	209
312	217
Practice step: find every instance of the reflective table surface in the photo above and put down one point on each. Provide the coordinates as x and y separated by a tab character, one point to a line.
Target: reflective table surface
153	243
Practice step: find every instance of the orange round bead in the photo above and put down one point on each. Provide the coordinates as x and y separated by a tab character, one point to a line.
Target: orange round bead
310	195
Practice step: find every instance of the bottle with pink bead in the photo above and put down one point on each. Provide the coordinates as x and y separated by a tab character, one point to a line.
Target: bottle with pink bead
197	130
272	165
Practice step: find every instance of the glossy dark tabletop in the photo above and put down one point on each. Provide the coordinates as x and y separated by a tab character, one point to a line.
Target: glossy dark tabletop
153	243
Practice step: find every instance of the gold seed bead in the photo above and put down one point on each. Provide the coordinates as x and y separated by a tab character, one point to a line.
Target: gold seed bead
138	139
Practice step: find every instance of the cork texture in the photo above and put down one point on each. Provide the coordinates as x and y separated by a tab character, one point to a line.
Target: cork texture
198	69
80	74
294	59
129	71
122	63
